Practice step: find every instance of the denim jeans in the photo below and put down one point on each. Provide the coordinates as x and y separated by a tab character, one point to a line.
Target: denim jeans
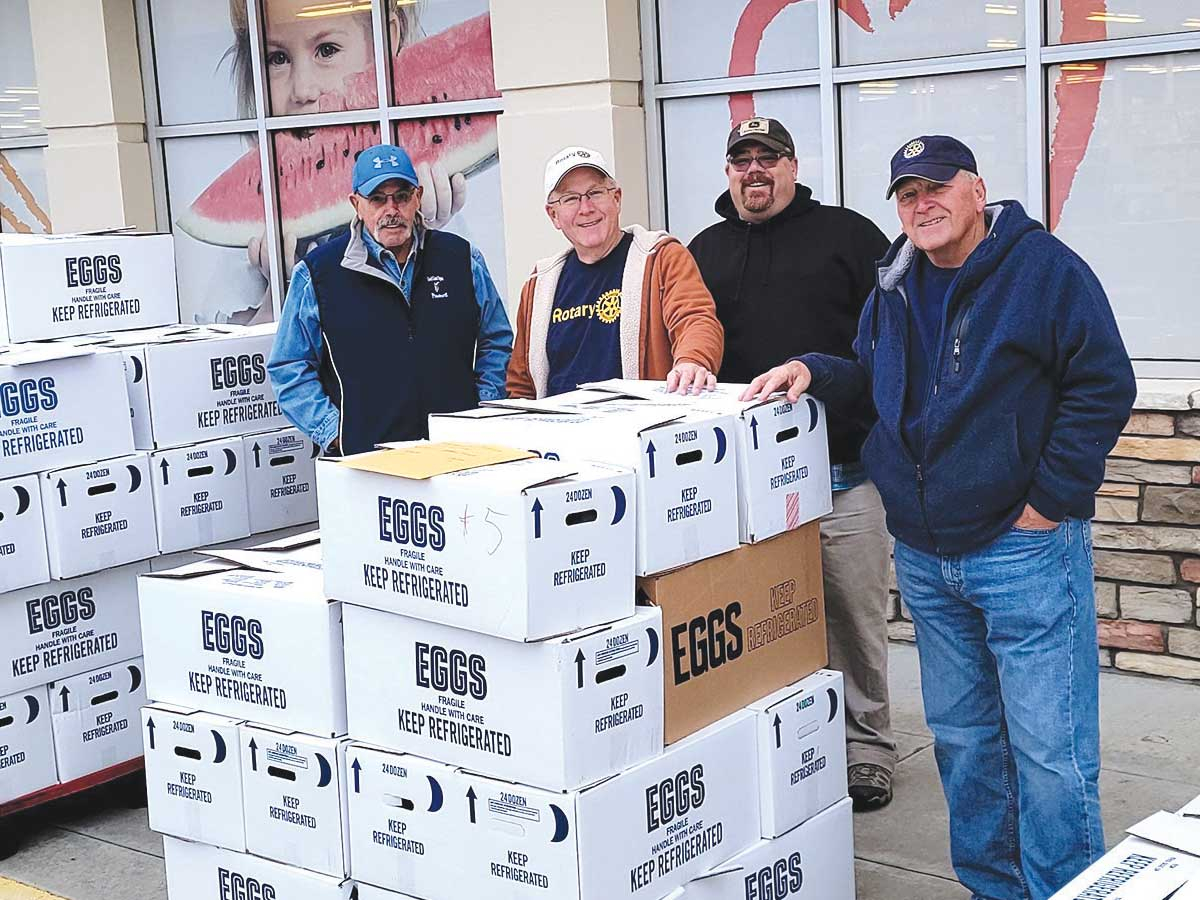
1010	676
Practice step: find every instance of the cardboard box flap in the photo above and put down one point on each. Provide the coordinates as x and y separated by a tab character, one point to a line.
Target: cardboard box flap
1170	830
194	570
723	398
422	460
561	403
645	613
27	354
1191	808
484	411
250	558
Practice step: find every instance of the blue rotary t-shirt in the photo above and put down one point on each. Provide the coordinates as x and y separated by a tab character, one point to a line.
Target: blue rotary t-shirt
584	338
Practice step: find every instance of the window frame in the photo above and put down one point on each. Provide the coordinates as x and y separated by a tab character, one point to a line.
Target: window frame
38	141
263	125
1036	57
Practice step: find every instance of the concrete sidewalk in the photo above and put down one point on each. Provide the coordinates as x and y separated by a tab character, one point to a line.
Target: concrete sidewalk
90	850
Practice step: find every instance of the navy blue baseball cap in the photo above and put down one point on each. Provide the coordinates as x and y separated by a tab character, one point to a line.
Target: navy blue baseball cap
934	157
381	163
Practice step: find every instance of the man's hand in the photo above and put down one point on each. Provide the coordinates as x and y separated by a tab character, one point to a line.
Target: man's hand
334	448
793	377
690	378
1032	520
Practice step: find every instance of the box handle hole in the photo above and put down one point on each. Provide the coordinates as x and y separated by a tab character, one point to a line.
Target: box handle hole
610	674
691	456
285	774
581	517
200	471
283	460
787	434
97	489
188	753
104	698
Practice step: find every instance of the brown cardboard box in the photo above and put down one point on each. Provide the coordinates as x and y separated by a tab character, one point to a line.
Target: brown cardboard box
738	626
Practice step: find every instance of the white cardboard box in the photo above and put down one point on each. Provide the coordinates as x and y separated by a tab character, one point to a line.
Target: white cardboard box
23	555
559	713
281	479
96	718
404	814
26	744
814	861
522	549
639	834
782	453
801	751
200	495
294	798
59	629
61	406
684	459
201	872
214	387
99	516
193	775
1135	869
370	892
53	286
246	643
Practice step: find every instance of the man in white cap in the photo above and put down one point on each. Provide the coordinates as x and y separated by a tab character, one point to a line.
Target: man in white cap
619	303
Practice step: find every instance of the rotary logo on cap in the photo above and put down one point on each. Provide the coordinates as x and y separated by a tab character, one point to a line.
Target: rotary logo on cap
914	148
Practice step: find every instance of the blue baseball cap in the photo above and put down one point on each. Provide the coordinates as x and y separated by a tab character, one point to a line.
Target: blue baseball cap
381	163
934	157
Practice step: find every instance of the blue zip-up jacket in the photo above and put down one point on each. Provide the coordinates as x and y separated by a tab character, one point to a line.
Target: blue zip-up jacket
299	346
1028	391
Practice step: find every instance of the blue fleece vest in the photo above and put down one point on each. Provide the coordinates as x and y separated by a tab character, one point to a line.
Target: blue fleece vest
389	363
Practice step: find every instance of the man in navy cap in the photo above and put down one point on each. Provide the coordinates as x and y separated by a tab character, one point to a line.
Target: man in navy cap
388	323
1001	383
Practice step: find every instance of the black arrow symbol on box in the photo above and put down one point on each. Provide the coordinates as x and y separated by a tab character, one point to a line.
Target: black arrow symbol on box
357	768
64	693
778	738
471	800
164	466
257	451
150	725
253	755
537	518
650	453
579	657
754	430
62	492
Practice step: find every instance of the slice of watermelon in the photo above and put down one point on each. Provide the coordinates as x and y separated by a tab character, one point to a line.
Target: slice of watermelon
314	166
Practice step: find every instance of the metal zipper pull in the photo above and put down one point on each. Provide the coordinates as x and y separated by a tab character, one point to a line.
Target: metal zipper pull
957	354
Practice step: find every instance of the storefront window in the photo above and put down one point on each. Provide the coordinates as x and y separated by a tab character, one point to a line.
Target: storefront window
441	51
202	61
695	131
20	111
218	221
23	207
719	38
319	56
1074	21
1124	153
465	167
883	30
985	110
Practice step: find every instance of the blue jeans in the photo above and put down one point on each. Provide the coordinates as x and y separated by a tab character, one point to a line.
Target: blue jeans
1010	677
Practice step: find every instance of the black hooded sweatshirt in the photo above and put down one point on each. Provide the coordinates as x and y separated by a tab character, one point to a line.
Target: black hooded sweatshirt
794	284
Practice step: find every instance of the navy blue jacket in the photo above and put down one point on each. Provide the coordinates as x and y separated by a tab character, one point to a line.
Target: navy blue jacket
1029	389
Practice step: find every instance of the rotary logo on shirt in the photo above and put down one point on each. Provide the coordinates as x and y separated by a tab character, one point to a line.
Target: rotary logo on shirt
607	309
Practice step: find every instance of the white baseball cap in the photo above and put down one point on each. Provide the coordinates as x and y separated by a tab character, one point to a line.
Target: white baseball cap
570	158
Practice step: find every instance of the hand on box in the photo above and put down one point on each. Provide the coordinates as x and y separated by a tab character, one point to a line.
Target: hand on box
792	376
690	378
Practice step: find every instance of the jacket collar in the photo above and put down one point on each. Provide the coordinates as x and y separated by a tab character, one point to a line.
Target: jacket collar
899	259
643	239
363	252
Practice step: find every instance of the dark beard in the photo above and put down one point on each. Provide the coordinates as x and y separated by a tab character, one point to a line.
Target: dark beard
756	205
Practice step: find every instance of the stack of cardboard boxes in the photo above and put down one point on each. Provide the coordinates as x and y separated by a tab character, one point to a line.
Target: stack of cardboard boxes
102	471
461	698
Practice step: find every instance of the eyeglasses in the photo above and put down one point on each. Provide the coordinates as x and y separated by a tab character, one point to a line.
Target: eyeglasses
401	197
572	201
766	160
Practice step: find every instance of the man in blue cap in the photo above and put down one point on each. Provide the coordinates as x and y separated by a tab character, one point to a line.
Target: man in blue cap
1001	383
388	323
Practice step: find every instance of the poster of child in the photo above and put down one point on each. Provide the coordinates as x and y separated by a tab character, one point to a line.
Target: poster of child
320	58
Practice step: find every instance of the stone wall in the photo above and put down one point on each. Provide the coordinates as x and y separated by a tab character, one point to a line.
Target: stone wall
1146	537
